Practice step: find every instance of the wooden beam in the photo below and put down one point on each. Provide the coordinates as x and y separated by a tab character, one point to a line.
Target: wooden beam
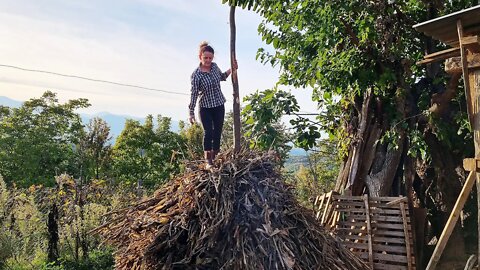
471	164
444	52
452	221
466	80
454	64
439	56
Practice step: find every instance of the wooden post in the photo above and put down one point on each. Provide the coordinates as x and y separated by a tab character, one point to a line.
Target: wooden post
369	230
463	55
452	221
408	245
236	98
474	80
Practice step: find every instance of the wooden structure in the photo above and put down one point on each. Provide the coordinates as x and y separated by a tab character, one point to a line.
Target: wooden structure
460	30
375	229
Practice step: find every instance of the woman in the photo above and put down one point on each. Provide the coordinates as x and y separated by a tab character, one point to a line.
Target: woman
206	87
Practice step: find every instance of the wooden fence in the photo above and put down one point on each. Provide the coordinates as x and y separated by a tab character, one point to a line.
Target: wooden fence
376	229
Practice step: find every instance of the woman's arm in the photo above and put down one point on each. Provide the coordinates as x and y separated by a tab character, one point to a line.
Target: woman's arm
193	97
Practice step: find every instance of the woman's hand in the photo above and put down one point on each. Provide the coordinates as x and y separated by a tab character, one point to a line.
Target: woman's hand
192	119
235	67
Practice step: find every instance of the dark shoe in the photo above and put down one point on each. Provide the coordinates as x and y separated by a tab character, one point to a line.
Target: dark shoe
214	154
208	159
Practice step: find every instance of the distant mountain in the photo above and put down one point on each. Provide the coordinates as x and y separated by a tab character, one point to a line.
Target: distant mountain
297	152
115	121
5	101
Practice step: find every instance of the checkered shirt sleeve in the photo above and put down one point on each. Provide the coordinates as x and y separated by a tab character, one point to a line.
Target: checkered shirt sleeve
206	88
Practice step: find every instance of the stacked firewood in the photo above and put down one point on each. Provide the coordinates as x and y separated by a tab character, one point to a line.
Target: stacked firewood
239	215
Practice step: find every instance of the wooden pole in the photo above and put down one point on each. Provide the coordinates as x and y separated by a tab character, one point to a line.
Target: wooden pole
474	79
472	95
452	221
236	98
463	55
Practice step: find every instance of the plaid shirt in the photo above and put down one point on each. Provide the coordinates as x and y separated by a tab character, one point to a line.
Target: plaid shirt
206	85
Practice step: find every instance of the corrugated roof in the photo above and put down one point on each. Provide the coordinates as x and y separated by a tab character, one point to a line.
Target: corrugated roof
445	28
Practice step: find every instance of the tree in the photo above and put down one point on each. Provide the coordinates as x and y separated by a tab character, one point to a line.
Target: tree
192	141
390	114
36	140
146	155
263	114
94	149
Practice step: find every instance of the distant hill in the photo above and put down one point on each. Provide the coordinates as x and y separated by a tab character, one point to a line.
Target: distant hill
5	101
115	121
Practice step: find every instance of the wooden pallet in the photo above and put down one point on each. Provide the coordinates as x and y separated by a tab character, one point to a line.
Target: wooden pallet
376	229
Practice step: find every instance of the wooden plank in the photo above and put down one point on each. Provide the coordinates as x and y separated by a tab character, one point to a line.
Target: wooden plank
352	230
439	56
407	238
390	257
390	233
383	199
321	206
379	239
397	201
389	226
353	237
377	219
369	231
452	221
388	248
336	218
360	198
397	259
377	211
380	266
327	206
447	52
356	245
317	199
360	204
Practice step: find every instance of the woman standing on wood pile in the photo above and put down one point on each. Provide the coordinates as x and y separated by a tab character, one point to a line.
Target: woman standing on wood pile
206	87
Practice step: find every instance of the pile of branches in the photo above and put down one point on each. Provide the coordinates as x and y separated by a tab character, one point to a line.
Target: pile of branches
239	215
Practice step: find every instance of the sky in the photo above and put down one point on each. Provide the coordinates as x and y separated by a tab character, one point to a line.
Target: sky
149	43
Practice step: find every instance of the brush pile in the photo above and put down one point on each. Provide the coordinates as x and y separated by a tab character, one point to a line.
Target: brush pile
240	215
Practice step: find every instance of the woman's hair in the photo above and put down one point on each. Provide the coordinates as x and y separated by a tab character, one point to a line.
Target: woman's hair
204	47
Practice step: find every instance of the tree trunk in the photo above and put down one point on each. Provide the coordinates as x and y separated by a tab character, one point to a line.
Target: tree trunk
370	163
52	226
236	95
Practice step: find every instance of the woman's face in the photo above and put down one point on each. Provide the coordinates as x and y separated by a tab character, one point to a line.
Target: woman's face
206	58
